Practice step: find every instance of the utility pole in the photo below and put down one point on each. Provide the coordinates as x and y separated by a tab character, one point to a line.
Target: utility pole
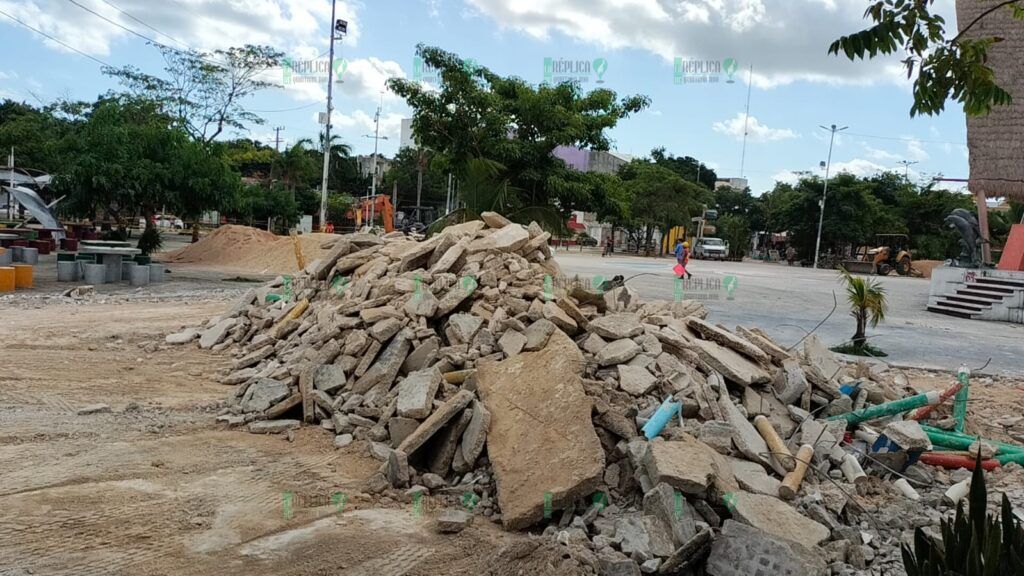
338	30
906	168
824	194
746	120
277	138
376	139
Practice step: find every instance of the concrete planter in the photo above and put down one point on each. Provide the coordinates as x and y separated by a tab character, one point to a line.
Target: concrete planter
94	274
139	275
67	271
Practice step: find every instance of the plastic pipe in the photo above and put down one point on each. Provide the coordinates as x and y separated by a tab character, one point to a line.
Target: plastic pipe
852	470
907	489
963	441
946	395
791	483
661	417
780	452
954	461
957	492
889	408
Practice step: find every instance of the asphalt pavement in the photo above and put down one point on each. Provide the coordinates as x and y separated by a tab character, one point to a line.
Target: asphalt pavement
788	301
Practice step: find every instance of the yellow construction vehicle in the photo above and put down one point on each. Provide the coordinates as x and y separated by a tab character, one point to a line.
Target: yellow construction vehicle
891	252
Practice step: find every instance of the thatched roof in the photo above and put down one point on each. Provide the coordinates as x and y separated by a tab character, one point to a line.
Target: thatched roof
996	142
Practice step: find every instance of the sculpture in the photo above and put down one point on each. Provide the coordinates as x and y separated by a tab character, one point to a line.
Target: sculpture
970	238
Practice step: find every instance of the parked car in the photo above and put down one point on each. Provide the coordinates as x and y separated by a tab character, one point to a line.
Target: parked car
164	221
710	249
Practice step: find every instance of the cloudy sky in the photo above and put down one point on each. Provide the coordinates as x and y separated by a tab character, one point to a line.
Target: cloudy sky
652	47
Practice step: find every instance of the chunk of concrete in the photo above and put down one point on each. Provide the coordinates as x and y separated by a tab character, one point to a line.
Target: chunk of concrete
475	437
822	366
464	326
273	426
725	338
747	439
617	326
436	421
506	239
453	521
494	220
790	383
329	378
554	313
422	303
416	393
908	434
743	550
183	337
422	356
671	507
262	394
94	409
776	518
512	342
215	335
386	368
538	333
730	363
752	477
536	399
689	466
440	450
643	535
635	380
618	352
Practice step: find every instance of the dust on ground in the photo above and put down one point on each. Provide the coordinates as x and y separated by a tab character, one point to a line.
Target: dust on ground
249	250
157	487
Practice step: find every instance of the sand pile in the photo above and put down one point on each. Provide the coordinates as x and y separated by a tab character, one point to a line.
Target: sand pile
245	249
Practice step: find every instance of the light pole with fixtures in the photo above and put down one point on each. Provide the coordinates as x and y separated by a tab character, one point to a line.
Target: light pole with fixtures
824	194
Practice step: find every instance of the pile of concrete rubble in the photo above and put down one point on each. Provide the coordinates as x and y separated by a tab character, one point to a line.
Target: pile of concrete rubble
467	363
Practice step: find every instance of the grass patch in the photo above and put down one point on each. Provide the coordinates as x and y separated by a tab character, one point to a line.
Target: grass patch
865	350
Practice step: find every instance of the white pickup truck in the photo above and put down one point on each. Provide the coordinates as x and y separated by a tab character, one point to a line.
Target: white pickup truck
710	249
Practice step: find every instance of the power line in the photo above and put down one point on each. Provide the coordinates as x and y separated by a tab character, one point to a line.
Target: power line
115	7
303	107
905	139
64	44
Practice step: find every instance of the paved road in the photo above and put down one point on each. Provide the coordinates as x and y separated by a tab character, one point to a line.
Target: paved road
788	301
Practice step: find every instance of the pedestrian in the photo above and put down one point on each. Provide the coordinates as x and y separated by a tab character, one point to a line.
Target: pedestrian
682	253
790	254
607	247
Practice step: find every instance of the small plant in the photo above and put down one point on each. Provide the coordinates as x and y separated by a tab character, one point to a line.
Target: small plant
867	304
150	241
973	544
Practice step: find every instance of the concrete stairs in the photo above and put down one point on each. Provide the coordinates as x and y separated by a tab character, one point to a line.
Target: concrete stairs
980	298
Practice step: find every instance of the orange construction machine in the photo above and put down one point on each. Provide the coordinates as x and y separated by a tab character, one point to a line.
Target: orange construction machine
372	208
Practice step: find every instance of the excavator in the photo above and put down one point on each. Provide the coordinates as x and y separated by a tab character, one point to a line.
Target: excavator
376	207
891	252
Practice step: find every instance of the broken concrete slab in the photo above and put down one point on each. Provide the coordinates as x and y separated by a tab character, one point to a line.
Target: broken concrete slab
93	409
329	378
422	356
731	364
422	303
538	333
215	335
512	342
673	510
273	426
617	326
436	421
618	352
262	394
725	338
908	434
643	535
464	326
399	428
440	450
507	239
494	220
767	345
416	393
386	368
743	550
536	399
554	313
776	518
752	477
790	383
183	337
453	521
635	380
689	466
747	439
822	366
475	437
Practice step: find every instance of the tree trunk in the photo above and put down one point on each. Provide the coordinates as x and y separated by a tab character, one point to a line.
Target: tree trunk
195	231
860	338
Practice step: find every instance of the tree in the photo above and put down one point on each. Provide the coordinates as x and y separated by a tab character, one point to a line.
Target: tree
296	168
404	172
946	68
867	301
659	199
735	229
689	169
479	118
204	91
250	158
31	132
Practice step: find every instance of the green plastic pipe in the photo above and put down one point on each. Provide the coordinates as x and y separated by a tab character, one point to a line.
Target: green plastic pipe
960	441
889	408
1008	458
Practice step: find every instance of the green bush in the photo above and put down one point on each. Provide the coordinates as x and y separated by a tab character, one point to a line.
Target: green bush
150	241
973	544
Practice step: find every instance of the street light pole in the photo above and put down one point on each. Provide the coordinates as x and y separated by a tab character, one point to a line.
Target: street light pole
906	168
338	30
376	139
824	194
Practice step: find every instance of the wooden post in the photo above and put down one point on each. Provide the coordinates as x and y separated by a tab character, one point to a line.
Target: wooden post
791	484
780	452
986	248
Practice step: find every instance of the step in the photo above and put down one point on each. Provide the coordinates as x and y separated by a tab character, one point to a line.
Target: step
1001	282
940	309
981	293
973	308
967	299
993	288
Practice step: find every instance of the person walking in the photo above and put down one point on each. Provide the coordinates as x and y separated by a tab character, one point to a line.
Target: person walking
790	254
682	253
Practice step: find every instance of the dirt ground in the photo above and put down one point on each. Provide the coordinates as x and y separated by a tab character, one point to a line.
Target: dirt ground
157	487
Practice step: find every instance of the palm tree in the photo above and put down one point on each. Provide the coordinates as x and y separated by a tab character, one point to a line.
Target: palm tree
294	165
867	303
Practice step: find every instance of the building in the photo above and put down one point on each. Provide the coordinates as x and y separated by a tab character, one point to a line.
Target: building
406	140
734	183
592	160
365	164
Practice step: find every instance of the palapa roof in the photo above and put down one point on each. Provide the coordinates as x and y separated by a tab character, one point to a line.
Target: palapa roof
995	142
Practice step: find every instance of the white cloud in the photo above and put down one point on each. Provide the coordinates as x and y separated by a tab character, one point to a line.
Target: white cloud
880	155
786	176
359	123
756	131
916	151
201	24
786	40
858	167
